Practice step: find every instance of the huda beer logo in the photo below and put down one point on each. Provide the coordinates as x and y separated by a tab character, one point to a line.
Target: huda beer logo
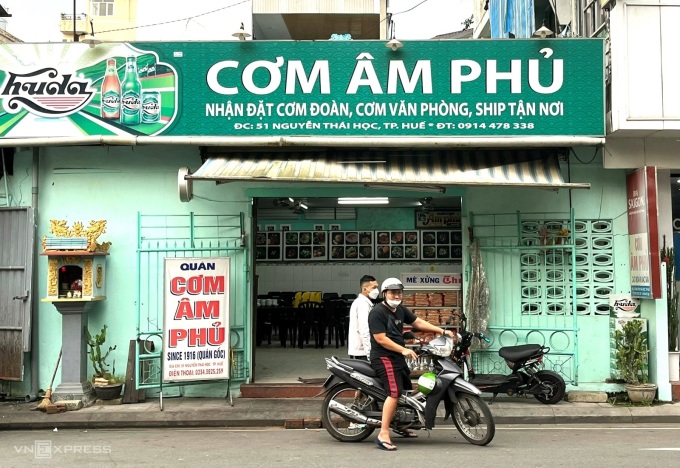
46	92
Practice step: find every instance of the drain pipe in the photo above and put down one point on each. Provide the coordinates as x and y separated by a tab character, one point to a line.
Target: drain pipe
35	303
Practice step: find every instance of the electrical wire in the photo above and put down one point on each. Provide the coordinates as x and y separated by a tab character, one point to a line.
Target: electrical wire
176	20
389	17
591	159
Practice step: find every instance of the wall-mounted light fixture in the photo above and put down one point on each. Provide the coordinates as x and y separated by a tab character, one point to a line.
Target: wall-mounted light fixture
543	31
241	33
89	38
393	43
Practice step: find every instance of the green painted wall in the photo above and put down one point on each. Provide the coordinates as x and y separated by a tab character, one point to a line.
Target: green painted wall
84	183
606	199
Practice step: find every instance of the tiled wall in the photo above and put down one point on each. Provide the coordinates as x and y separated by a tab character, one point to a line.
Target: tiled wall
339	278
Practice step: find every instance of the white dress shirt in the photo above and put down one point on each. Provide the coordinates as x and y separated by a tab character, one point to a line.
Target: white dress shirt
359	338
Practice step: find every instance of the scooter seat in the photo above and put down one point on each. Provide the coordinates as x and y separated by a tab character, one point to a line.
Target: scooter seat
362	366
518	353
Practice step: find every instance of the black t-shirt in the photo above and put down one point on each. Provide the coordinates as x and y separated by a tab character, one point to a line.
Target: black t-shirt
382	320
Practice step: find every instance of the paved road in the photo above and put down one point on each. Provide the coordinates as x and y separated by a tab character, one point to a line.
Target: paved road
522	446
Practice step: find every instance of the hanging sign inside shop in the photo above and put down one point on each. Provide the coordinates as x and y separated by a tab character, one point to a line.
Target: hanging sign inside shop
463	88
196	326
643	233
432	280
438	219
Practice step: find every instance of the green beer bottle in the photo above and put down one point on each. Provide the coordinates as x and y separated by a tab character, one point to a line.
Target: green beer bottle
131	91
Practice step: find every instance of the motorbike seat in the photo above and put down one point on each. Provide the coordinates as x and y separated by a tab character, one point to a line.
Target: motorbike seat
521	352
362	366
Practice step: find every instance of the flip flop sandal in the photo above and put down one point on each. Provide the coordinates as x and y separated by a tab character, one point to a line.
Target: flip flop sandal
406	434
382	445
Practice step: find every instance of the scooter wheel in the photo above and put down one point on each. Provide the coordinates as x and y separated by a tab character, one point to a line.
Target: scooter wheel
552	387
336	424
473	419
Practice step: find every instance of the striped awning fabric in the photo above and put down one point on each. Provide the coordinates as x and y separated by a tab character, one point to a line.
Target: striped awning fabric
536	168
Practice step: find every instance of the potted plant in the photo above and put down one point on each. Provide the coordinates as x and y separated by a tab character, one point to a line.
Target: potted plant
631	360
107	386
668	257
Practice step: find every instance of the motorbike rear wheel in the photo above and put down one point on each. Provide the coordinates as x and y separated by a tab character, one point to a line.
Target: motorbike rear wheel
554	385
473	419
336	424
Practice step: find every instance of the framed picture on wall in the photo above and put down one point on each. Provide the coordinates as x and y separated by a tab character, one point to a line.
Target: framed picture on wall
285	227
318	227
334	227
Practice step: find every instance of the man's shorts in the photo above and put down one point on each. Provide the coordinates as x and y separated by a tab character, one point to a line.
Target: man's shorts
394	374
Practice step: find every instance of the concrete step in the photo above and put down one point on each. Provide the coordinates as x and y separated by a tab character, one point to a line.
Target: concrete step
284	390
587	397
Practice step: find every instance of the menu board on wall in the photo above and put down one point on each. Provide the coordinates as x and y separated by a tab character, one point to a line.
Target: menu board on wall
268	246
442	245
397	245
305	246
351	245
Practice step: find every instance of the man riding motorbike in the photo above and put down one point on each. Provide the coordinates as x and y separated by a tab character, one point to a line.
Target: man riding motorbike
389	352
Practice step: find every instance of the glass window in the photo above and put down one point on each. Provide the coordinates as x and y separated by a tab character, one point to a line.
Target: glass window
102	8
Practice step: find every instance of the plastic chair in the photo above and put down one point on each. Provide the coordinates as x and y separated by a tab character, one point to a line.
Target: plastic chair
337	313
308	322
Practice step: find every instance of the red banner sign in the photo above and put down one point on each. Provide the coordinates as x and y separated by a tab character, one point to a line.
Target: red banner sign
643	233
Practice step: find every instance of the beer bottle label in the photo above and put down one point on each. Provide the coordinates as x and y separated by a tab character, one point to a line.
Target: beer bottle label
131	106
111	102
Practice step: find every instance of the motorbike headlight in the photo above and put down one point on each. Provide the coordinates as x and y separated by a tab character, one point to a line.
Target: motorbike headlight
441	346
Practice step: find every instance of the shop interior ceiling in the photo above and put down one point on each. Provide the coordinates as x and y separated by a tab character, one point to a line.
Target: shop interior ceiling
328	207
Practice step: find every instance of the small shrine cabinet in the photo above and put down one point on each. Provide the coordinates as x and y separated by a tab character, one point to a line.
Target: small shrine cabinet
76	275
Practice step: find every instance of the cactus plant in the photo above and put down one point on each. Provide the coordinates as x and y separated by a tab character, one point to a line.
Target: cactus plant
98	360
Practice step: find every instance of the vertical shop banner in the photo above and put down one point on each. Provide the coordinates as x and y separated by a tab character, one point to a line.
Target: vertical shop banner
643	233
196	313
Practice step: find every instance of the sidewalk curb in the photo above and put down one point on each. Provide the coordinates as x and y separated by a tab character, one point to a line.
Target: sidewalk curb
196	419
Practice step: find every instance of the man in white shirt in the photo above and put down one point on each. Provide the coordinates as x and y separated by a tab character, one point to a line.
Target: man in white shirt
359	338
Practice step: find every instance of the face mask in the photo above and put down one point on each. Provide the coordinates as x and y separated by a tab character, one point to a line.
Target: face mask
373	293
393	302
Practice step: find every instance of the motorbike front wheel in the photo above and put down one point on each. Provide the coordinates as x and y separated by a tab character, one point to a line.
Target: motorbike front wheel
553	386
336	424
473	419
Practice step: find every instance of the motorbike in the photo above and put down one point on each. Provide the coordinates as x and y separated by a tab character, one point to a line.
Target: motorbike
525	362
352	407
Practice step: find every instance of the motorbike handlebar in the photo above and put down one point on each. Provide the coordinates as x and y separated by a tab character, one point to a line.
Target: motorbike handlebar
482	337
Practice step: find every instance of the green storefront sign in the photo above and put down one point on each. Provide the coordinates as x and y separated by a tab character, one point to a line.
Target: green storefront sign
464	88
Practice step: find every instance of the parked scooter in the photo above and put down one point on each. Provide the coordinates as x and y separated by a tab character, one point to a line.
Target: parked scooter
352	409
526	377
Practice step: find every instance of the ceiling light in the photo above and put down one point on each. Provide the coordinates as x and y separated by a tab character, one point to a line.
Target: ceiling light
303	206
363	201
408	187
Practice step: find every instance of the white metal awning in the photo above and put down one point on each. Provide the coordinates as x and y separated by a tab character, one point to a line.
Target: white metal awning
535	168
